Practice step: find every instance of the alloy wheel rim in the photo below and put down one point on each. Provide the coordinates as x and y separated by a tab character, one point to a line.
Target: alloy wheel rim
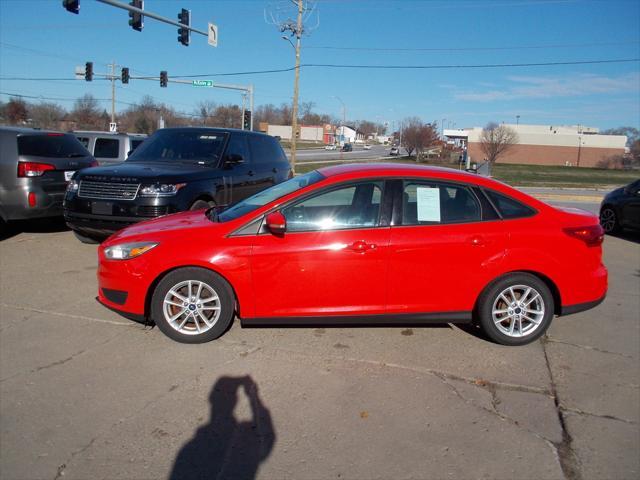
608	219
191	307
518	311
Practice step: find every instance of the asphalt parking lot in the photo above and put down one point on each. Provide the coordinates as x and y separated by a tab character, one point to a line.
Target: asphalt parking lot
85	393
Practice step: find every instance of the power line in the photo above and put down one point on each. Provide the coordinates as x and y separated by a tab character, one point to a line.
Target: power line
470	49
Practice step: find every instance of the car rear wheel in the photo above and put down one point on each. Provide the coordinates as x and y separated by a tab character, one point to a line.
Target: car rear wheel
516	310
85	239
609	220
192	305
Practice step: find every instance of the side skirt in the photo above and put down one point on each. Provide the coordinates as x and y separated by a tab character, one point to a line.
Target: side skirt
390	320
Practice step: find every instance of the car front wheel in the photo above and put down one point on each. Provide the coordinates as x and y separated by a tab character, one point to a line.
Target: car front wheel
192	305
516	310
609	220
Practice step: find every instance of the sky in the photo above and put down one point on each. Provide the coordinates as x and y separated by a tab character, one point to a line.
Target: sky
41	44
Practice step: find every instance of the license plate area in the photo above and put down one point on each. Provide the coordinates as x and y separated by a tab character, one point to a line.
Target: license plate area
102	208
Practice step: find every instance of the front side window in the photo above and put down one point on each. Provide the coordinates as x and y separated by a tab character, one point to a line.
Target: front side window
354	206
238	146
432	203
106	148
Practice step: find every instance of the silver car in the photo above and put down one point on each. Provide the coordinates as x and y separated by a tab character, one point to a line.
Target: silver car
35	168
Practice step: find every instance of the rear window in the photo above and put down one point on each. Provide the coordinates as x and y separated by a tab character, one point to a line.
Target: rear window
508	207
106	148
51	145
265	149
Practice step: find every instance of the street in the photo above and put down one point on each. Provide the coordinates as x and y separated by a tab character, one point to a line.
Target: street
320	154
86	393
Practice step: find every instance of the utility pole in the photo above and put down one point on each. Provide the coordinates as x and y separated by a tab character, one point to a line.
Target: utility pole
244	102
113	92
294	115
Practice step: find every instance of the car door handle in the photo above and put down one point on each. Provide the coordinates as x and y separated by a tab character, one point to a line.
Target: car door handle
274	170
477	241
250	173
361	246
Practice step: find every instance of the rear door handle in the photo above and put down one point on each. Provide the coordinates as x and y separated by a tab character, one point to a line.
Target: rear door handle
250	173
361	246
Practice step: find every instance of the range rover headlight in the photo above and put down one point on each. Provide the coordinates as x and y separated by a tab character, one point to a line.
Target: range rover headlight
73	186
161	189
125	251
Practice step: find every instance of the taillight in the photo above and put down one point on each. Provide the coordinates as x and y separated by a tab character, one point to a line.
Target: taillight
592	235
33	169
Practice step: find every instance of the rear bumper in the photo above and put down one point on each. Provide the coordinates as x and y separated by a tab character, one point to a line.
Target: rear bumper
581	307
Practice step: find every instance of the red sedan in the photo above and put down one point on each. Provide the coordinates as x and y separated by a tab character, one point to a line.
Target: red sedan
361	244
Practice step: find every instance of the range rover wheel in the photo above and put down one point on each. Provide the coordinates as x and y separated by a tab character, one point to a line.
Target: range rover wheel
85	239
192	305
516	310
609	220
200	204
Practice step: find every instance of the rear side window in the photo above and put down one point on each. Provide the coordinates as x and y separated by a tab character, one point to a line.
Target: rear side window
435	203
264	149
51	145
508	207
135	144
107	148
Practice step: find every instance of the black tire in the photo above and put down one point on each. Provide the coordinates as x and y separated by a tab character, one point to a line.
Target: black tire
225	302
518	282
200	204
87	240
609	220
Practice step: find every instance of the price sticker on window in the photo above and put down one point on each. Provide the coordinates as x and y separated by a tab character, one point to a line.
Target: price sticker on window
428	204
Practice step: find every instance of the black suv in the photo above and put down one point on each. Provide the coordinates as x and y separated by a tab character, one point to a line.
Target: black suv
175	169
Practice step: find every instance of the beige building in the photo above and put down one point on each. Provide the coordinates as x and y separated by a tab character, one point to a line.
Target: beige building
574	145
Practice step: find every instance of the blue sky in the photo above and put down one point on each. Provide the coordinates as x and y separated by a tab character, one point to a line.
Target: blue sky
40	39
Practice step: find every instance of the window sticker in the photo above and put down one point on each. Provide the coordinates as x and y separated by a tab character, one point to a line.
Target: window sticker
428	204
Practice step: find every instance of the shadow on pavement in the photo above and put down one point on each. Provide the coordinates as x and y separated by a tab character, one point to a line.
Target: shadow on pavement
629	235
40	225
226	448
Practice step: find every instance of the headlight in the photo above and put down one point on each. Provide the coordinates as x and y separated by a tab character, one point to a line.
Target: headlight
126	251
161	189
72	186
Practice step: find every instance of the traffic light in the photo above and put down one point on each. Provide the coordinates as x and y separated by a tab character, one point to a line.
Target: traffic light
184	34
88	71
72	6
125	75
135	18
246	121
164	78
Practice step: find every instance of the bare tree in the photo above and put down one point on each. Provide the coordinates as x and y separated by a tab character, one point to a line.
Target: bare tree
16	111
206	110
46	115
496	140
86	113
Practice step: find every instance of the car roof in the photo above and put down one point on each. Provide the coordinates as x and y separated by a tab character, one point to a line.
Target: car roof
28	130
217	129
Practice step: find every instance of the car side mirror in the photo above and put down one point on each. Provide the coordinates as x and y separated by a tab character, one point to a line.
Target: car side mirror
234	159
276	223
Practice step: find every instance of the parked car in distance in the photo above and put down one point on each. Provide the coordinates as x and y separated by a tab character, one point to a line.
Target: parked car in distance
331	146
347	147
395	151
109	148
175	169
35	167
361	244
366	146
620	208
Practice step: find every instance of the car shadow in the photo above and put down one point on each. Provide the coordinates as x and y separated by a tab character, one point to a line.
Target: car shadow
629	235
40	225
225	447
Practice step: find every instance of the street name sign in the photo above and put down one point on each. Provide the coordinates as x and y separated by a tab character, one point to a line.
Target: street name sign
202	83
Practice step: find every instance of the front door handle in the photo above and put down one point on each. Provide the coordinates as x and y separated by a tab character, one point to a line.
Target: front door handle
361	246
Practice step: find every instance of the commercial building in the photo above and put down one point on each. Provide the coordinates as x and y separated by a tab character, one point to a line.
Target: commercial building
574	145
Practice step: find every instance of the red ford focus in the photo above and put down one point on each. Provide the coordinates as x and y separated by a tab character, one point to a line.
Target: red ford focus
360	244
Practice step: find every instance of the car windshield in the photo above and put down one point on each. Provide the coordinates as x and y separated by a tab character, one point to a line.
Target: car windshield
194	145
269	195
53	145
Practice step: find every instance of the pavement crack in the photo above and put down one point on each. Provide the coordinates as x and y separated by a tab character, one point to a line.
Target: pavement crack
566	455
63	467
577	411
58	362
68	315
588	347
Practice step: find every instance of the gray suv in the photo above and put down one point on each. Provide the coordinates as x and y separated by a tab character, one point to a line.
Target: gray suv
35	168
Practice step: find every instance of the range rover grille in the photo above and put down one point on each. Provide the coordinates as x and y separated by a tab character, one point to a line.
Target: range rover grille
107	190
152	210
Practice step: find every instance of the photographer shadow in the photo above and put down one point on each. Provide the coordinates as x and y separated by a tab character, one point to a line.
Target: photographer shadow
225	447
